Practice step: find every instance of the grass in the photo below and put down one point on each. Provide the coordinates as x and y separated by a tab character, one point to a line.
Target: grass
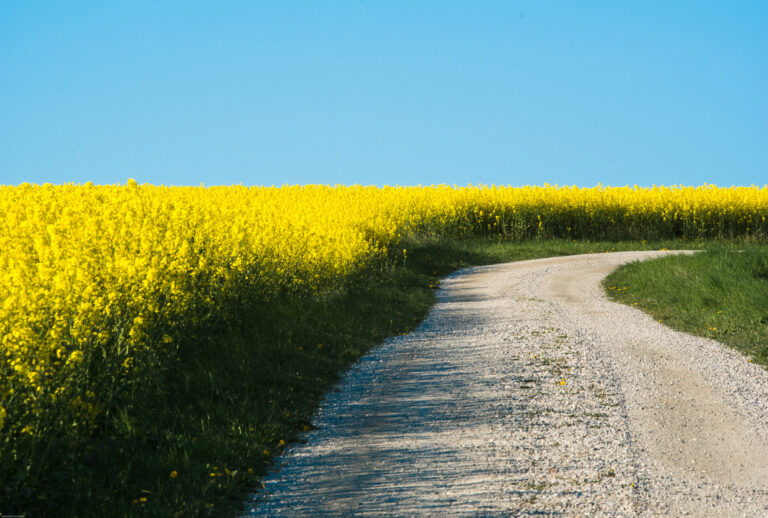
721	293
197	443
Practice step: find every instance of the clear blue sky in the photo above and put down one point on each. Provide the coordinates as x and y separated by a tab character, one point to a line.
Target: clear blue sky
384	92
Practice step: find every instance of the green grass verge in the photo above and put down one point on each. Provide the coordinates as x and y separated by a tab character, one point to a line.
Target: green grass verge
721	293
199	443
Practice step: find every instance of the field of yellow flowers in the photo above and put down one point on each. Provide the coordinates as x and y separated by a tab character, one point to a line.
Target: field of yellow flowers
102	284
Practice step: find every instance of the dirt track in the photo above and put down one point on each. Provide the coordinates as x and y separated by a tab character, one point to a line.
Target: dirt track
527	393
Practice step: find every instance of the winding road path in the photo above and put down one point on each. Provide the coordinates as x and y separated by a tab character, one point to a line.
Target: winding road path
527	393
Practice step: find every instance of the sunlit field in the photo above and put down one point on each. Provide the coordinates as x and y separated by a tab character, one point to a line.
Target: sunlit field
104	288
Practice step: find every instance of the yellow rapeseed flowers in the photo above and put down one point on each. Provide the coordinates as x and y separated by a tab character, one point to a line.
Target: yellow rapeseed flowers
119	273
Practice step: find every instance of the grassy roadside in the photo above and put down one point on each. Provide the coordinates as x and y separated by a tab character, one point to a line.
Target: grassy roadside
721	293
211	428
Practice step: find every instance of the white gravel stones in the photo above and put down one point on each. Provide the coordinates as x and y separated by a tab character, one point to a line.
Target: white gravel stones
527	393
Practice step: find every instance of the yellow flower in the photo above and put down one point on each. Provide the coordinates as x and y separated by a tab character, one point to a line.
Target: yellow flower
75	357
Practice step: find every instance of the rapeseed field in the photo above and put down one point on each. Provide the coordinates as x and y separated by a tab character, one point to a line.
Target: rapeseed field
103	285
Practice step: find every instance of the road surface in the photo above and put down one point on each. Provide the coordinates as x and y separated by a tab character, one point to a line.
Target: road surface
527	393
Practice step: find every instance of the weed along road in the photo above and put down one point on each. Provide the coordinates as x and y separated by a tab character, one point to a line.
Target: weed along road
526	392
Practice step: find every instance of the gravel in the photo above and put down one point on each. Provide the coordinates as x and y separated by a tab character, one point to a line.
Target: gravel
527	393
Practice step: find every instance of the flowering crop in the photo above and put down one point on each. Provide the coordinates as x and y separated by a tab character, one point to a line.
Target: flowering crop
101	284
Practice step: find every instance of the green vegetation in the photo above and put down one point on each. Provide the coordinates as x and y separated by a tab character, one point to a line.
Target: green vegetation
721	293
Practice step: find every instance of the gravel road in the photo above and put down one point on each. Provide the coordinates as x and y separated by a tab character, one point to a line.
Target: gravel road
527	393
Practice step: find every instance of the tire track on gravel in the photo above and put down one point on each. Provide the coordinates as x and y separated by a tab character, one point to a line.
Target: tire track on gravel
526	392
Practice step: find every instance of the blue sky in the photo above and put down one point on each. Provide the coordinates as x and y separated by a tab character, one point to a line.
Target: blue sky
384	92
